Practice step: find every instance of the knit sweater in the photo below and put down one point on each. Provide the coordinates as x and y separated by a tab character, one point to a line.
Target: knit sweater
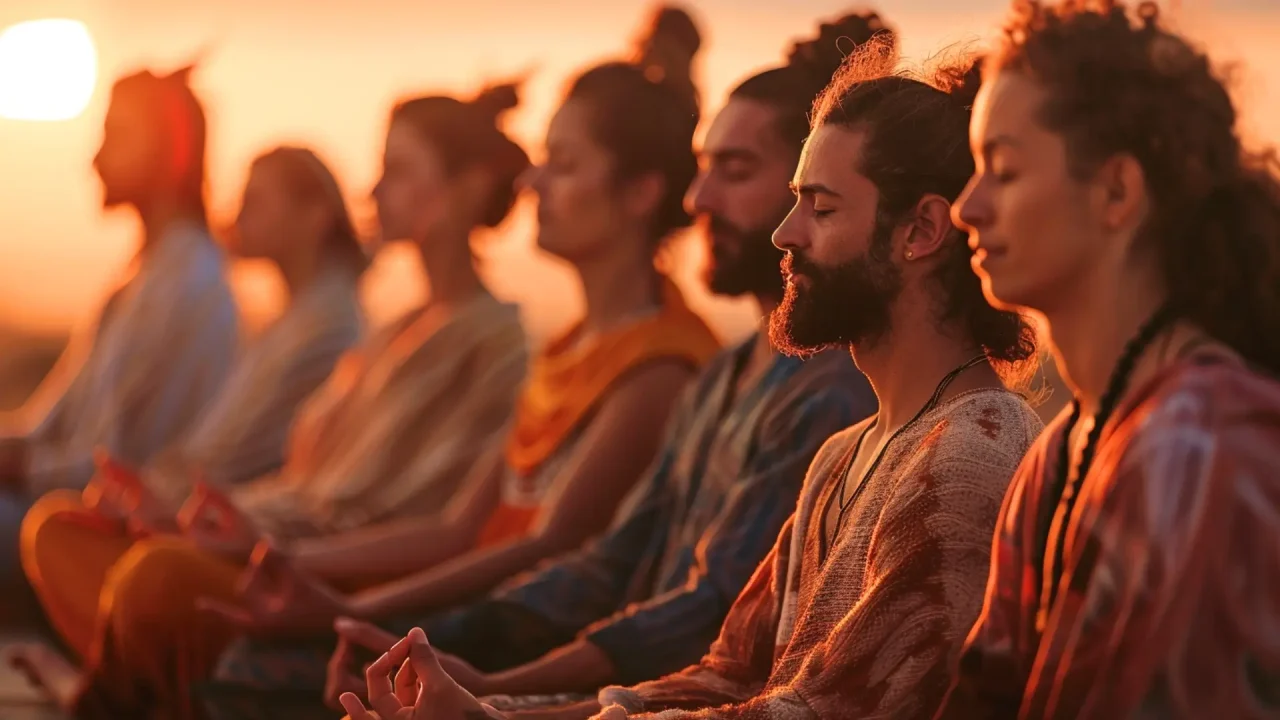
868	626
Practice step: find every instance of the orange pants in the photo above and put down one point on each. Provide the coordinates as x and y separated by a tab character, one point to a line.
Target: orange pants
128	608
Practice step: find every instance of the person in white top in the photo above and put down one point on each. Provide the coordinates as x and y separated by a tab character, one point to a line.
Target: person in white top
163	343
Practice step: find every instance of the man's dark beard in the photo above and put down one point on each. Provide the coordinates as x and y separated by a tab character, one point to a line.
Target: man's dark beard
843	305
754	270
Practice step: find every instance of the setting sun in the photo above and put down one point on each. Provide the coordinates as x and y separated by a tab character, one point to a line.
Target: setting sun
48	69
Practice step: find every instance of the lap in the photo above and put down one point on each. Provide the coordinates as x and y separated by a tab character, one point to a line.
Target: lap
492	635
172	567
13	507
232	701
277	664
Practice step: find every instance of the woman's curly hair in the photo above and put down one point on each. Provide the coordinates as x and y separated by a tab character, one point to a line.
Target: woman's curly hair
1117	82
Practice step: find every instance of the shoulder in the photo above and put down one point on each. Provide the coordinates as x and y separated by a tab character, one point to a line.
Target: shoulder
1222	412
975	441
339	307
830	377
334	319
652	381
496	332
1218	394
188	271
720	364
994	421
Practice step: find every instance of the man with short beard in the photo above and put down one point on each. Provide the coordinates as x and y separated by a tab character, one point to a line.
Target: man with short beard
648	597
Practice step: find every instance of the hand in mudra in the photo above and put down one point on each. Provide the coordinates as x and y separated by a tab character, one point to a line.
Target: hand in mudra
210	520
357	642
419	690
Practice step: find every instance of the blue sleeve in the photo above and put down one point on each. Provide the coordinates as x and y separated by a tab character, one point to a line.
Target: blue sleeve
672	631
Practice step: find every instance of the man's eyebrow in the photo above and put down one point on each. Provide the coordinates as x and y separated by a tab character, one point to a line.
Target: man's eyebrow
813	189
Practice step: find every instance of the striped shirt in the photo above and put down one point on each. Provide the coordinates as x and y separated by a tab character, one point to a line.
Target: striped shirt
243	433
161	350
1167	603
399	423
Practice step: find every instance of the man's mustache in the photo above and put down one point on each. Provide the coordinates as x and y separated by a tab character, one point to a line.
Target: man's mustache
793	262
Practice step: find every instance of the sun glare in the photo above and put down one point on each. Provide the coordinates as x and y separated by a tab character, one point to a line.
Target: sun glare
48	69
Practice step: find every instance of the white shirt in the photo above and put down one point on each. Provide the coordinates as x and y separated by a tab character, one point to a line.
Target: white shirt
161	350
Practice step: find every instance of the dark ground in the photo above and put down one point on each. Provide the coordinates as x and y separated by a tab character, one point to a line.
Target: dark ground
24	360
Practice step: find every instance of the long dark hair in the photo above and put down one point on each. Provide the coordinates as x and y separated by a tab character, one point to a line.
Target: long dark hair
791	88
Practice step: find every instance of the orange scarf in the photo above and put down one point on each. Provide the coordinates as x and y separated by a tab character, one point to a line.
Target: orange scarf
566	383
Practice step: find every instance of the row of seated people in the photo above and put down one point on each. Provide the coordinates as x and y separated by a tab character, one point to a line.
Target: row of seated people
1099	597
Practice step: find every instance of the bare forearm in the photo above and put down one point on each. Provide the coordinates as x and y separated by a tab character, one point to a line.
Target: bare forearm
455	581
450	582
382	553
577	667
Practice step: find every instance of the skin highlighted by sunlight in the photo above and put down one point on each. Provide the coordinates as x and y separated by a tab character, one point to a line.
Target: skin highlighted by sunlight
48	70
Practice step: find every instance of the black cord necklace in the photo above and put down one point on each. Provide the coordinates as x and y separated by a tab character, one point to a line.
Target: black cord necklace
1068	492
848	464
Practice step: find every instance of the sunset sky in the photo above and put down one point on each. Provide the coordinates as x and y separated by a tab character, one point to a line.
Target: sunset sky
325	73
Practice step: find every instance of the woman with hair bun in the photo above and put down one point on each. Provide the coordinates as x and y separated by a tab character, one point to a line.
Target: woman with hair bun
390	437
1135	567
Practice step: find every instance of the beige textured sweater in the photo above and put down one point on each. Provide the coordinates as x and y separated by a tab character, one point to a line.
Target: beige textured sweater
870	630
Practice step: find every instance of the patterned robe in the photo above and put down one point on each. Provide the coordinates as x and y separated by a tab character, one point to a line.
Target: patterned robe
1169	604
244	432
398	425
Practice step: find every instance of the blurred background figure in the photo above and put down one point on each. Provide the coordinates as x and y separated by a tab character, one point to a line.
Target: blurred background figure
164	341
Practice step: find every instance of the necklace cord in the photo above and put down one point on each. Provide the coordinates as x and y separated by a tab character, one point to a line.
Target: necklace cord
845	505
1068	492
